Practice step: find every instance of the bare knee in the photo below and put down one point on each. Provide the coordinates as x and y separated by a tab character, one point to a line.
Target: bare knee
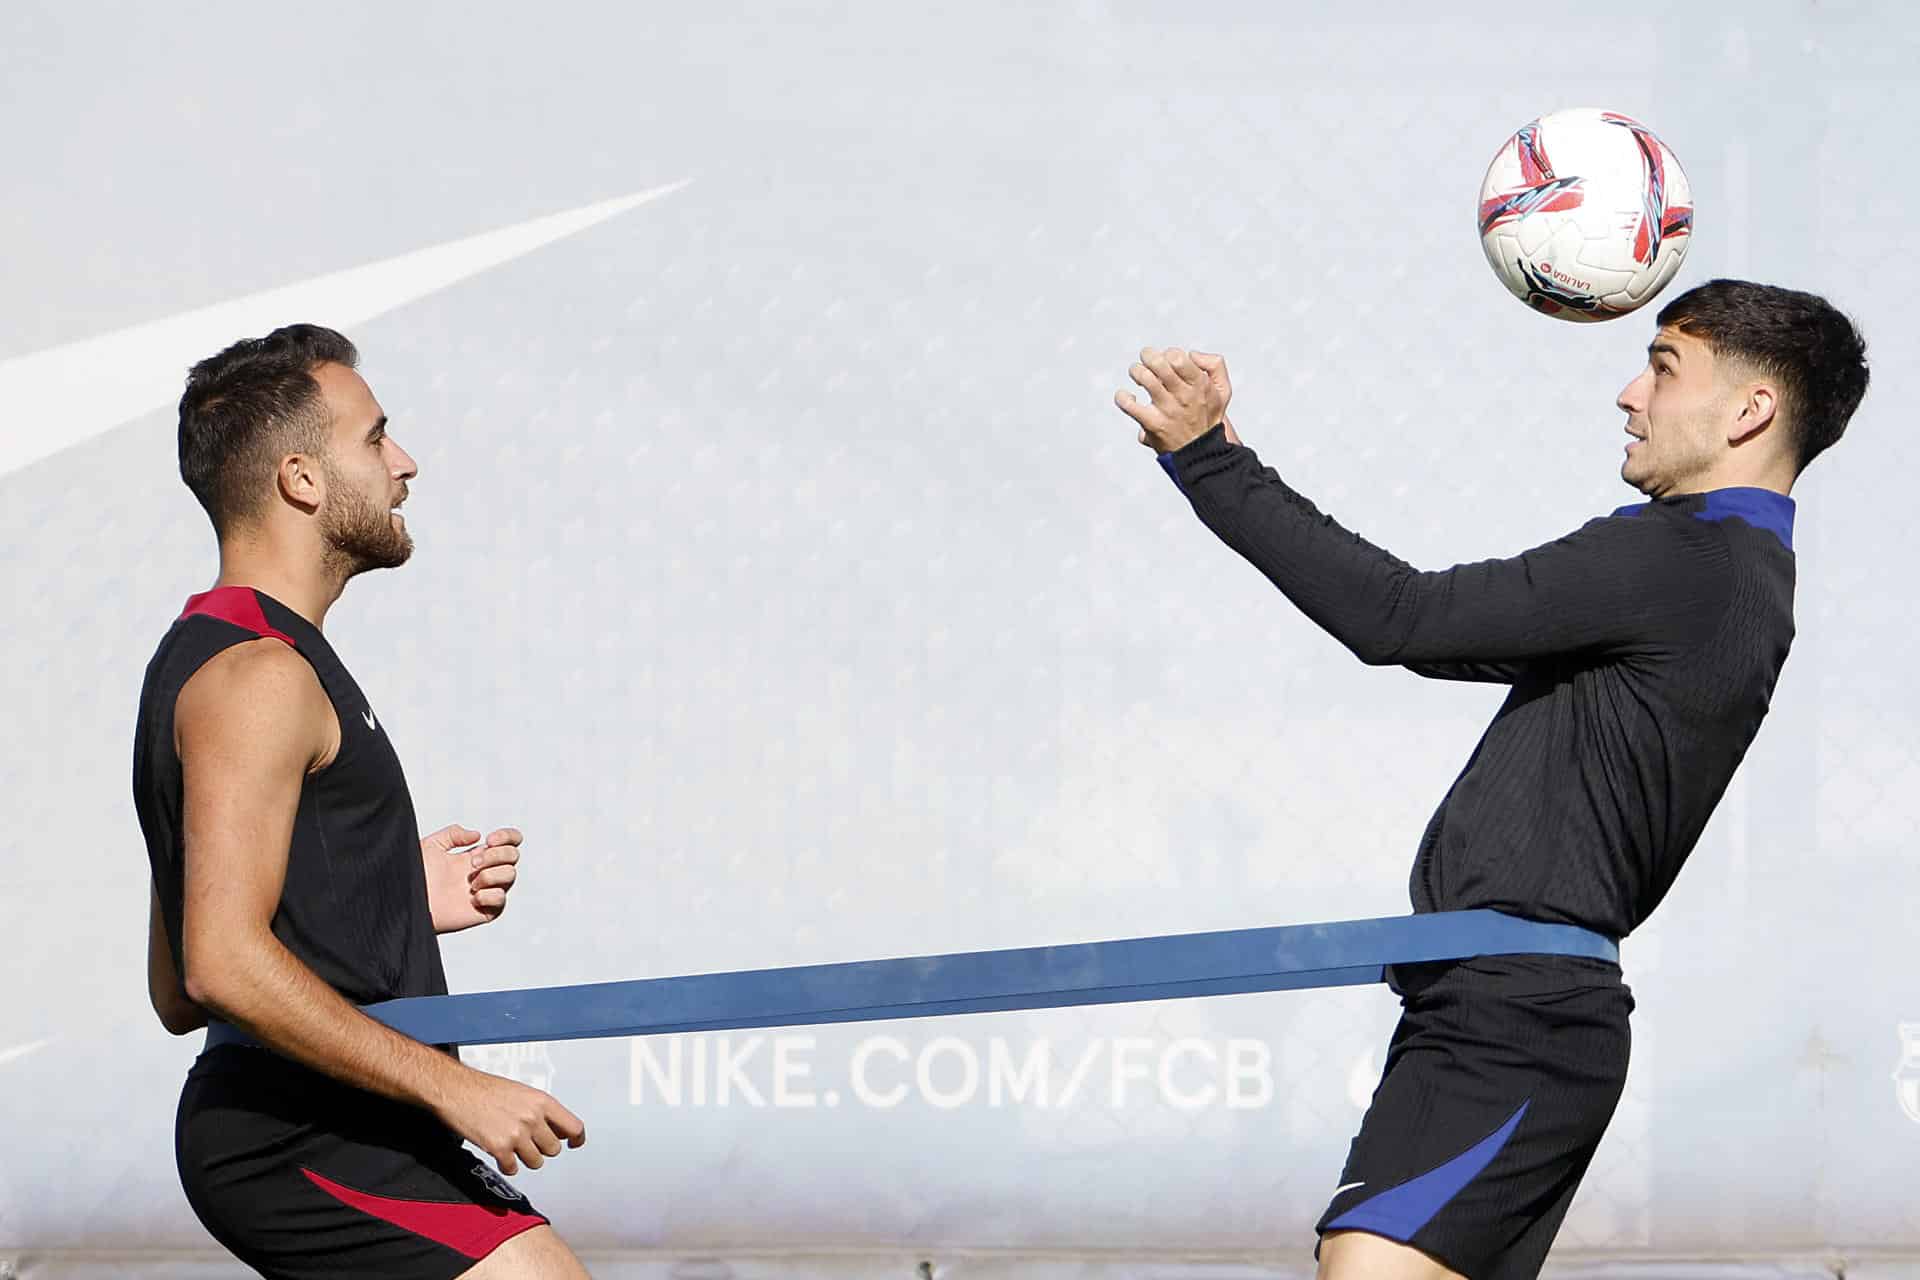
1361	1255
537	1253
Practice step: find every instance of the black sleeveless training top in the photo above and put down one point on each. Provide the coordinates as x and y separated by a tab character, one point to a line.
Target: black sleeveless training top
354	906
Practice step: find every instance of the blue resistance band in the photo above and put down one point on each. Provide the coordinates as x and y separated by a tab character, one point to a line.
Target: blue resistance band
1286	958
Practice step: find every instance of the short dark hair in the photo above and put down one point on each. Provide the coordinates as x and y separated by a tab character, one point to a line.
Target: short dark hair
247	408
1814	351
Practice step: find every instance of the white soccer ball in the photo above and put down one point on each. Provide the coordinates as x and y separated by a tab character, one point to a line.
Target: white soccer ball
1585	214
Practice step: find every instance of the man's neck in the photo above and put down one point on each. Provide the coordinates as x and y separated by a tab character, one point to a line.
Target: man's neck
309	588
1779	479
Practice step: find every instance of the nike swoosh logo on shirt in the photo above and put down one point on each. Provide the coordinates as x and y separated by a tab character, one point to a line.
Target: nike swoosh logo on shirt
1347	1186
367	715
76	391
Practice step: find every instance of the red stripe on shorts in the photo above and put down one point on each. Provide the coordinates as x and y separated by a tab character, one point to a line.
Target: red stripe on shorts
472	1229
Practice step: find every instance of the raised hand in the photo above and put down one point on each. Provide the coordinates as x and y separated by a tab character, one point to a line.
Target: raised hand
468	876
1185	399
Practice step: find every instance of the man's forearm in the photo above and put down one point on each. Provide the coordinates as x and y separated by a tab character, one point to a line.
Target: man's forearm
177	1014
1350	587
260	986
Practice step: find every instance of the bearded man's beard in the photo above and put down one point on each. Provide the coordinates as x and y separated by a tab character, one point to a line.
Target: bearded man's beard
359	535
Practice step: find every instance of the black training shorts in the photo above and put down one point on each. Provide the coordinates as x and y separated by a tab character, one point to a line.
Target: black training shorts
1500	1079
302	1176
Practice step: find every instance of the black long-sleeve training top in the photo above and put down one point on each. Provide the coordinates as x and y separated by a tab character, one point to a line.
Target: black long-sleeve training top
1642	649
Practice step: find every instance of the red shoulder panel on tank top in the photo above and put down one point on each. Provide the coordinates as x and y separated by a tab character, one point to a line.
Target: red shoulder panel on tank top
239	606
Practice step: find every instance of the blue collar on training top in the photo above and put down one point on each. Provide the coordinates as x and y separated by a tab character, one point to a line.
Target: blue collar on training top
1761	508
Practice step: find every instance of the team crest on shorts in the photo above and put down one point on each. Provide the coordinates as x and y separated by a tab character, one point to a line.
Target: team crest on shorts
1906	1076
495	1183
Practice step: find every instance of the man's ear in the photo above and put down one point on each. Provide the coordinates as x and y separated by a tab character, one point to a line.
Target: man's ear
1757	408
299	481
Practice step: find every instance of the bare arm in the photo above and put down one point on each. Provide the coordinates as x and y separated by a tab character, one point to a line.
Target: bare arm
250	725
178	1014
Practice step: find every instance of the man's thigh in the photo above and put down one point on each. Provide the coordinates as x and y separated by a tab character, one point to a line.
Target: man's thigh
535	1254
1361	1255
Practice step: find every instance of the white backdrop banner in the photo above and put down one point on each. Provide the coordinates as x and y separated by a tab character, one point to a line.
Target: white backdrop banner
786	574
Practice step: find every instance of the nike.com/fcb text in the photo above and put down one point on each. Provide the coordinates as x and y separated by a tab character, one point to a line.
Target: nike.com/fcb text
881	1072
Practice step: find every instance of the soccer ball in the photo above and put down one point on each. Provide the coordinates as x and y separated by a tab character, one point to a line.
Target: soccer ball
1585	214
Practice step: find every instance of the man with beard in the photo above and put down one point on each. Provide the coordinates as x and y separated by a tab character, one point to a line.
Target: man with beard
290	882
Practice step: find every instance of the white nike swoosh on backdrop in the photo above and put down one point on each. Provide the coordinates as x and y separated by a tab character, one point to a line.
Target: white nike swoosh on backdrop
73	392
22	1050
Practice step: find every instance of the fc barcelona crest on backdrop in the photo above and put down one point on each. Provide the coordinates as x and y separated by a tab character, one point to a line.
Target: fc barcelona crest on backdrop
530	1063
